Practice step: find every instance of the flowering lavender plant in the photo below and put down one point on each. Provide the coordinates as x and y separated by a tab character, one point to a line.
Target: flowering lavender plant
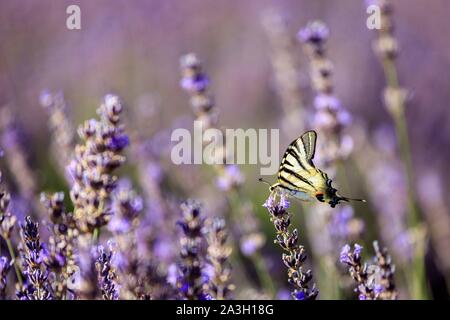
5	266
374	281
94	164
37	285
59	254
294	256
106	274
218	254
191	282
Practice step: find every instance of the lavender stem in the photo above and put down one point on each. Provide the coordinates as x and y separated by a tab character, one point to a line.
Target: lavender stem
13	257
395	101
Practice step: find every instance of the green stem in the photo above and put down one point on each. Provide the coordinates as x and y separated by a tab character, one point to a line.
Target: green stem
327	273
329	279
96	235
261	268
13	257
418	285
402	132
263	274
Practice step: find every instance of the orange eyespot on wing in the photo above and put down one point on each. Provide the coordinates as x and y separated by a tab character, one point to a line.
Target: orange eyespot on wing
320	196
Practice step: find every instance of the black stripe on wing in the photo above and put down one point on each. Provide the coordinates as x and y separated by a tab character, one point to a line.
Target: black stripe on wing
284	182
308	140
295	155
294	174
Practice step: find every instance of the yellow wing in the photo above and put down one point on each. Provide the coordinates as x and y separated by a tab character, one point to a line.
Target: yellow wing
297	168
300	178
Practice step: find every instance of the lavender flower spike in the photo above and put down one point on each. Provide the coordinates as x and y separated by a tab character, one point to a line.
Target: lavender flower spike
60	125
375	281
191	284
94	164
387	289
5	266
195	82
38	286
358	271
294	255
7	220
59	255
218	254
106	274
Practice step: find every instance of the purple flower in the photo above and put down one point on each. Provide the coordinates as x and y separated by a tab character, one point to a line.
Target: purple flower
349	257
113	104
196	83
106	273
54	260
326	101
294	254
118	142
46	98
96	158
252	243
34	268
192	281
231	177
300	295
154	172
284	294
163	249
339	226
344	118
378	289
119	225
5	266
184	288
357	250
315	32
205	297
403	245
345	254
173	274
284	202
120	261
208	272
71	171
270	202
282	205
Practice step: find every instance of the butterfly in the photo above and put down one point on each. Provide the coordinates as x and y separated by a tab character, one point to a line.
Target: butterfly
299	177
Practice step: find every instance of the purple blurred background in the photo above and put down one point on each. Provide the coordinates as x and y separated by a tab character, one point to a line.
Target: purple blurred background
133	47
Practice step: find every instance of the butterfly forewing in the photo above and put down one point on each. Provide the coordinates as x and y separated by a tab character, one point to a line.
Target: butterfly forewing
308	140
297	168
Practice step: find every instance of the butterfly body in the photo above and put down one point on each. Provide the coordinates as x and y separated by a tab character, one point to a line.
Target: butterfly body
299	177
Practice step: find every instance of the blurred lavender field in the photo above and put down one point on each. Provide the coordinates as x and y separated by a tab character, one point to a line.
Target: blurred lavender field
96	209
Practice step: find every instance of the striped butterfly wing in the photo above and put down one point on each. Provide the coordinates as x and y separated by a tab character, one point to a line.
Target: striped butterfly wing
308	145
297	168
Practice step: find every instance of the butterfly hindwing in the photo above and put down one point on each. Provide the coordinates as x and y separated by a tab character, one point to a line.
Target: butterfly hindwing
299	194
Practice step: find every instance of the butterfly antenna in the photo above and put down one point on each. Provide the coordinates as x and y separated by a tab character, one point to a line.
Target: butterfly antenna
351	199
264	181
